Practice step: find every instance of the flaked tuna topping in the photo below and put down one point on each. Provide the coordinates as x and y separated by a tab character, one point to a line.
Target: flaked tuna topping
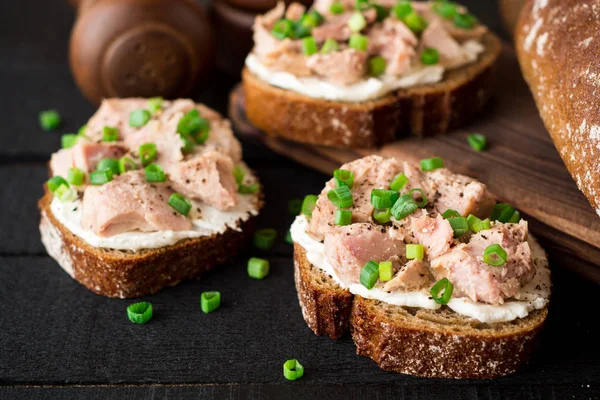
442	238
344	41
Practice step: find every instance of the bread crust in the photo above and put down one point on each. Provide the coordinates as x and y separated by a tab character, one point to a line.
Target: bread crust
422	110
413	341
557	45
125	274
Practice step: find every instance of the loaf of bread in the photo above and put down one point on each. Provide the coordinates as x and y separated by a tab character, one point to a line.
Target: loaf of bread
558	42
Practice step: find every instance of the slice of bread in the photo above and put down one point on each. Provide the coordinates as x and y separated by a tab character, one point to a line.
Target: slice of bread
430	343
421	110
125	274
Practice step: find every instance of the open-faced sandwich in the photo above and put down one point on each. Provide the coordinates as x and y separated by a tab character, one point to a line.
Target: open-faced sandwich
357	73
148	194
431	276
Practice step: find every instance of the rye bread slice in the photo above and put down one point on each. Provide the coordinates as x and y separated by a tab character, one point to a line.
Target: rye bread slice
429	343
125	274
423	110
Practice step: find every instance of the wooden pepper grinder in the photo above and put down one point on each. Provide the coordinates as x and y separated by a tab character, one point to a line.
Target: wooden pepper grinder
145	48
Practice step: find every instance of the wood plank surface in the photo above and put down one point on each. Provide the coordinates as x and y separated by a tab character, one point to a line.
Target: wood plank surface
521	165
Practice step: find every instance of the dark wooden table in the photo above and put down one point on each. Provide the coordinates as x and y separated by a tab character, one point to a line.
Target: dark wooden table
59	340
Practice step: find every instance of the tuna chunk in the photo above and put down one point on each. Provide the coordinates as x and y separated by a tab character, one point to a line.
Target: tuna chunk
129	203
472	277
341	67
84	155
349	248
437	37
393	41
295	11
336	27
435	234
412	276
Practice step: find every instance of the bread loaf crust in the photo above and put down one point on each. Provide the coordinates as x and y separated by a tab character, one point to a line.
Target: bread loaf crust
558	42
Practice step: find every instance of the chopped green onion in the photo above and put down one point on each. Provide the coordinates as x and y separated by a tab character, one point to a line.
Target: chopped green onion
423	197
382	12
316	16
81	131
76	176
210	301
358	42
258	268
343	177
478	225
430	56
516	217
288	237
402	9
309	46
65	193
377	65
336	8
369	274
68	140
361	5
382	198
445	285
49	120
446	9
238	174
430	164
415	251
465	21
504	212
264	238
126	164
147	153
357	22
139	313
188	144
308	204
330	46
494	255
110	134
54	183
459	225
99	178
292	370
343	217
399	181
194	126
139	118
341	197
110	164
404	206
415	22
449	213
155	104
154	173
248	189
385	271
382	216
283	29
304	26
295	206
180	204
477	141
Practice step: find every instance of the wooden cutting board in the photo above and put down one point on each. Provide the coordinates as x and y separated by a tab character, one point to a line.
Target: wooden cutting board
521	166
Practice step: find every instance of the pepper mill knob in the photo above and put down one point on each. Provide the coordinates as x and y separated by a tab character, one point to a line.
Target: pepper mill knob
140	48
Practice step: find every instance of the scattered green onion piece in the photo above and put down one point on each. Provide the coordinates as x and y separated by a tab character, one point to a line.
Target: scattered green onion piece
343	217
330	46
343	177
445	285
309	46
55	182
404	207
139	313
283	29
361	5
357	22
139	118
258	268
415	22
446	9
385	271
81	131
292	370
308	204
358	42
430	164
147	153
295	206
377	65
477	141
382	12
180	204
210	301
516	217
110	134
494	255
194	126
155	104
382	198
503	212
478	225
423	203
402	9
238	174
154	173
188	144
99	178
76	176
126	164
264	238
108	163
415	251
459	225
449	213
369	274
341	197
399	181
65	193
316	16
336	8
248	189
303	28
465	21
200	135
288	237
49	120
430	56
382	216
68	140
